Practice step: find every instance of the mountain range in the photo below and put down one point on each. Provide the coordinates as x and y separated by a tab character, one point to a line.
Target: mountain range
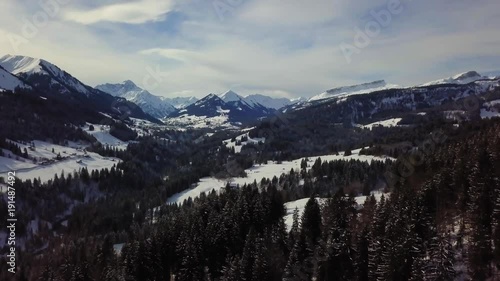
239	109
45	79
48	80
229	104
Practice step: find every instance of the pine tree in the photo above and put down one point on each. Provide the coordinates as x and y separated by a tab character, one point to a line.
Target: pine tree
442	259
311	222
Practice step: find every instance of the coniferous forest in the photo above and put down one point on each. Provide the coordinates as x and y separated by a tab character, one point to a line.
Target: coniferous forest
438	218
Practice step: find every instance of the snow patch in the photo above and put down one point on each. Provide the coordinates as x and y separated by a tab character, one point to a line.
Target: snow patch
393	122
258	172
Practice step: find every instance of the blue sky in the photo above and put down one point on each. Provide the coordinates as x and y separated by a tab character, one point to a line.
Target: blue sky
281	48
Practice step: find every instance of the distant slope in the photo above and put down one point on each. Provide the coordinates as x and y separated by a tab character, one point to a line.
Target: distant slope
149	103
229	108
269	102
9	81
354	90
180	102
462	78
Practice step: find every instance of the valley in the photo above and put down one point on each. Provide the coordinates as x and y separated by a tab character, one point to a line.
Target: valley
116	170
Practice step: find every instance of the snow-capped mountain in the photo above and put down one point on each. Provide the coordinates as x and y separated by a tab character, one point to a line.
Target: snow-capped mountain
231	96
149	103
354	90
10	82
229	106
269	102
257	100
243	107
209	106
47	79
180	102
461	79
43	74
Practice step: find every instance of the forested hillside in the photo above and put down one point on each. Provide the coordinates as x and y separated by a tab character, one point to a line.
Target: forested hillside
438	220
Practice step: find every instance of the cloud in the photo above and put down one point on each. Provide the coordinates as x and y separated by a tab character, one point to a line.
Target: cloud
136	12
290	12
277	47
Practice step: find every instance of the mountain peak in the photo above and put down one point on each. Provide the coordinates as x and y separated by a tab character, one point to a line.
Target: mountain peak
230	96
462	78
210	97
16	64
149	103
467	75
129	83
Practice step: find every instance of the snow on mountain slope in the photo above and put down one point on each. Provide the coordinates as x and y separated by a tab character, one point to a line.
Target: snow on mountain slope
463	78
231	96
26	67
354	90
212	112
149	103
238	103
9	81
180	102
256	100
21	64
269	102
258	172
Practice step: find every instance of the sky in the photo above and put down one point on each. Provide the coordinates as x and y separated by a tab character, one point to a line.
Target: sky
282	48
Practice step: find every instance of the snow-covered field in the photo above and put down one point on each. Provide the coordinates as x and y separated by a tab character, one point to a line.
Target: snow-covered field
490	110
487	114
72	158
237	148
13	162
258	172
101	133
301	204
393	122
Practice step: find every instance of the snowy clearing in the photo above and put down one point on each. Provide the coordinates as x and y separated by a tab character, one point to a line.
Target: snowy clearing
301	204
258	172
101	133
47	165
393	122
486	114
14	163
238	144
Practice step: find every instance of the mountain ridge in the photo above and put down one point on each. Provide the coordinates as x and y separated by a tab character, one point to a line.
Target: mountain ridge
151	104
